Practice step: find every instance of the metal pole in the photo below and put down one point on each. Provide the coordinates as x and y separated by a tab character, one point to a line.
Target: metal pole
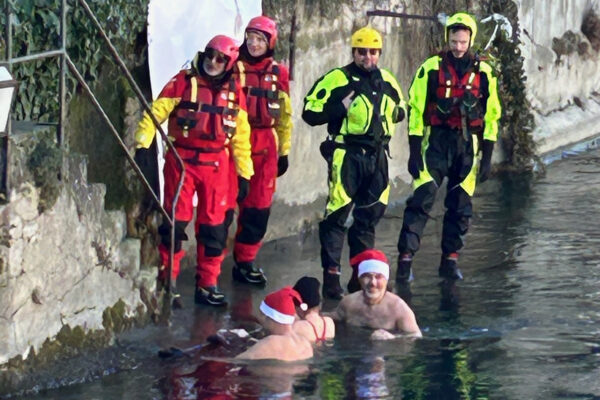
38	56
166	310
386	13
98	107
292	50
6	139
62	90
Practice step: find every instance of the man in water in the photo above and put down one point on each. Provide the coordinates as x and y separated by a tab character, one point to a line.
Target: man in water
283	343
373	306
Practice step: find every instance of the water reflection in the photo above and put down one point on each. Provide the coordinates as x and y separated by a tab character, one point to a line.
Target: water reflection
524	324
222	379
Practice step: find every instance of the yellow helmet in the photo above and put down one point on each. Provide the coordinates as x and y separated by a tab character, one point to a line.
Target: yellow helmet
462	20
367	38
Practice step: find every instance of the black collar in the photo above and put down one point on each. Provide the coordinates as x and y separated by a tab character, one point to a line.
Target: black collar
461	65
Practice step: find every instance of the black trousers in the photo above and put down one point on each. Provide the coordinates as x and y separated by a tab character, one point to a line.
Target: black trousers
358	182
446	154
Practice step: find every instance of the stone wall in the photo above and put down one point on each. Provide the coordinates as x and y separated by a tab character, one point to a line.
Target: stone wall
563	71
64	267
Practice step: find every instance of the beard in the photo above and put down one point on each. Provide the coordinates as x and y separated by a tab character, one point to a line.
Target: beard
374	294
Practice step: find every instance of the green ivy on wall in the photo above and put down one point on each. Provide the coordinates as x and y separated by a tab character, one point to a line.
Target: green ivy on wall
36	28
517	123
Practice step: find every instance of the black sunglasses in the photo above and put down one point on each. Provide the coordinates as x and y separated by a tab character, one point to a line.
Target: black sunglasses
216	55
363	52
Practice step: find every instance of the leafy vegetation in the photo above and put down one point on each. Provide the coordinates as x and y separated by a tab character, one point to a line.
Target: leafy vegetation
36	28
517	123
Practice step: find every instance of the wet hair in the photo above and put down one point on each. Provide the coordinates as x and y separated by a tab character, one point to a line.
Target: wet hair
308	288
459	27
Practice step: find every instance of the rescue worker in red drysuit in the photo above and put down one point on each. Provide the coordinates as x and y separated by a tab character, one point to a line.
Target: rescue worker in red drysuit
206	109
266	86
453	114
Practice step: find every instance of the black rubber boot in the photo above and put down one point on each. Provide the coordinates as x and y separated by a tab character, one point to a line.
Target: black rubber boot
246	272
353	283
449	267
331	284
210	296
404	272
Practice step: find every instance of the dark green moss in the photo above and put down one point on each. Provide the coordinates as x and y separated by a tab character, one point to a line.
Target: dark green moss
114	318
22	374
45	162
92	136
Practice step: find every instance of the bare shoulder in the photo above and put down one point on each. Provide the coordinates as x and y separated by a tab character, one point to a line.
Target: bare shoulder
264	348
339	313
330	333
404	315
396	302
351	300
304	329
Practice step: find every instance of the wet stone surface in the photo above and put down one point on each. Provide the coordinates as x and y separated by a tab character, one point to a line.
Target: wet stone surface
524	324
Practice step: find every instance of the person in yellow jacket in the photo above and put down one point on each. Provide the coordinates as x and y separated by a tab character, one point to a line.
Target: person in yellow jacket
360	103
453	115
207	118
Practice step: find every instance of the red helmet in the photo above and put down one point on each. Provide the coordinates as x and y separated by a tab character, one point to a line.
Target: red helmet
266	25
225	45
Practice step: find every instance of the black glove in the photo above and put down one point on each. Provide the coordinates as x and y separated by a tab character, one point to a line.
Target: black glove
282	165
398	114
415	160
327	147
485	165
243	189
143	158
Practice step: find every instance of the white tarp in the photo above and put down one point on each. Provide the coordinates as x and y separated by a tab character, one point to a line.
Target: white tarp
177	29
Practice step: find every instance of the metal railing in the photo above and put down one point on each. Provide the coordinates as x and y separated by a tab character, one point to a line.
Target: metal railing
67	63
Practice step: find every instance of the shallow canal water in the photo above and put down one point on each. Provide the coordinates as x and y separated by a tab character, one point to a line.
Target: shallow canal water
524	324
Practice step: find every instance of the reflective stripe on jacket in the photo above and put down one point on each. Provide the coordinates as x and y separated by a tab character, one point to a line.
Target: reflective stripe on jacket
210	124
266	85
372	112
456	95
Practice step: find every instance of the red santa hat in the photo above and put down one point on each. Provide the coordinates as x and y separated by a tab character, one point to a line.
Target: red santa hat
371	261
280	306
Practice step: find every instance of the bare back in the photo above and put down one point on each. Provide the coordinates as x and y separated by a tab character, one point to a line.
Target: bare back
315	328
288	347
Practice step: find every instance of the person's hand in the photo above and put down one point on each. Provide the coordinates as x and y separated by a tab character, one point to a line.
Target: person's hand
485	165
398	115
282	165
346	101
382	334
143	158
415	165
415	160
243	189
